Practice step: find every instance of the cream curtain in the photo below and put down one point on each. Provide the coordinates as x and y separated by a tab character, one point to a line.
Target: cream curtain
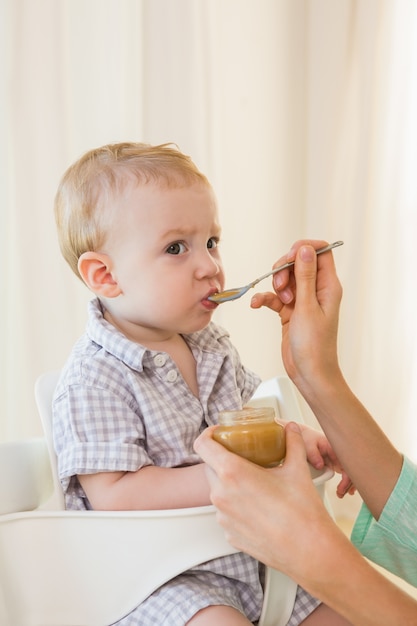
301	112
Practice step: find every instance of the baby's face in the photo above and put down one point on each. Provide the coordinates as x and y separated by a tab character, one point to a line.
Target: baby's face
164	248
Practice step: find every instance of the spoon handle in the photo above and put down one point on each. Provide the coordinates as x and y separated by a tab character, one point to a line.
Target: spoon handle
290	263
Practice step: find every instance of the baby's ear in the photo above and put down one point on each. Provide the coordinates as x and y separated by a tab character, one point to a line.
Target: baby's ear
96	271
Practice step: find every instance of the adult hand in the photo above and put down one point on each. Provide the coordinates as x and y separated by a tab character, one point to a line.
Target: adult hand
260	509
307	299
277	516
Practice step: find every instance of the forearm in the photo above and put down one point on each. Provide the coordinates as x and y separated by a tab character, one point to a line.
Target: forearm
364	451
290	530
344	580
148	488
309	315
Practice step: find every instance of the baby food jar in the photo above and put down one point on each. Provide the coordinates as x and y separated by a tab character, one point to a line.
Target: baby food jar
253	434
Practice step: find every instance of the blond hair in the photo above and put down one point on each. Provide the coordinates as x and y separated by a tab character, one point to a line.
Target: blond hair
87	185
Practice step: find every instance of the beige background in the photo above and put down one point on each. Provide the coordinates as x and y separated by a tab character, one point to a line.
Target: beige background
302	114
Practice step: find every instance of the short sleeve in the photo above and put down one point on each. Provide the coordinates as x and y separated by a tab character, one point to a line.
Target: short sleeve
392	540
96	430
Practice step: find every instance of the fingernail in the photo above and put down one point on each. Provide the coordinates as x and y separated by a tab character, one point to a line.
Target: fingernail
294	427
286	296
307	254
278	280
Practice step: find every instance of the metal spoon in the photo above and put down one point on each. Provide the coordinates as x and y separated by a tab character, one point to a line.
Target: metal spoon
234	294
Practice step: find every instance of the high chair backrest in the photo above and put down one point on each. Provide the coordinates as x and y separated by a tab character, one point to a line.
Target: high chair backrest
44	391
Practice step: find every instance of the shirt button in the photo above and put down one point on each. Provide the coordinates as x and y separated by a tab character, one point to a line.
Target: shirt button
160	360
172	376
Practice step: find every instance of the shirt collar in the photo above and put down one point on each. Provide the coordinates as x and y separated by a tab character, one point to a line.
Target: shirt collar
104	334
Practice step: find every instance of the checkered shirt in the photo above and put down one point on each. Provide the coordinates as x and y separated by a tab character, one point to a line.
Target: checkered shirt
119	406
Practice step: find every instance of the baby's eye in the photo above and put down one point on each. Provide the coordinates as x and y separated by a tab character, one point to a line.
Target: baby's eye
213	242
176	248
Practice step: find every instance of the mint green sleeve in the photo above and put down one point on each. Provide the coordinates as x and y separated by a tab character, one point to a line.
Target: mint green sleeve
392	540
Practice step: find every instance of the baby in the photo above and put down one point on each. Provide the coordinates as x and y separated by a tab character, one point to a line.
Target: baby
139	225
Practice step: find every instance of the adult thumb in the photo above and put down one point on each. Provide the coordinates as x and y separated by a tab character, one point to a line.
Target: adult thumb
295	448
306	274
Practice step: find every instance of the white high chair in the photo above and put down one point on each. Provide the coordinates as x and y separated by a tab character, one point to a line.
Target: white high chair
91	568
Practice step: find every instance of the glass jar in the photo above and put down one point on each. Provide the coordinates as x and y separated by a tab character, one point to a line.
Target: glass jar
253	434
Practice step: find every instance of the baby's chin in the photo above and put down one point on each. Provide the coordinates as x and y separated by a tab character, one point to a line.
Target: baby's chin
197	326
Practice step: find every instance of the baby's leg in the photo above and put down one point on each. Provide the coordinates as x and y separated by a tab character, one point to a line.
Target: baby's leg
216	614
325	616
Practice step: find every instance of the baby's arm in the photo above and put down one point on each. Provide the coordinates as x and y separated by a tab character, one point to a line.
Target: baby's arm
84	433
150	487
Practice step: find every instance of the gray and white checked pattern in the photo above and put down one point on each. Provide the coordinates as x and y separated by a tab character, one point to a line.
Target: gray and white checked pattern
186	595
304	604
224	581
118	407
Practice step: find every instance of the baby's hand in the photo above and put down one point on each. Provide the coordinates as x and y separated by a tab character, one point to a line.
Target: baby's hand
320	454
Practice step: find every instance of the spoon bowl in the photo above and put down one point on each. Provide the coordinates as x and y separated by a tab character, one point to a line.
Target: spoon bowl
238	292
